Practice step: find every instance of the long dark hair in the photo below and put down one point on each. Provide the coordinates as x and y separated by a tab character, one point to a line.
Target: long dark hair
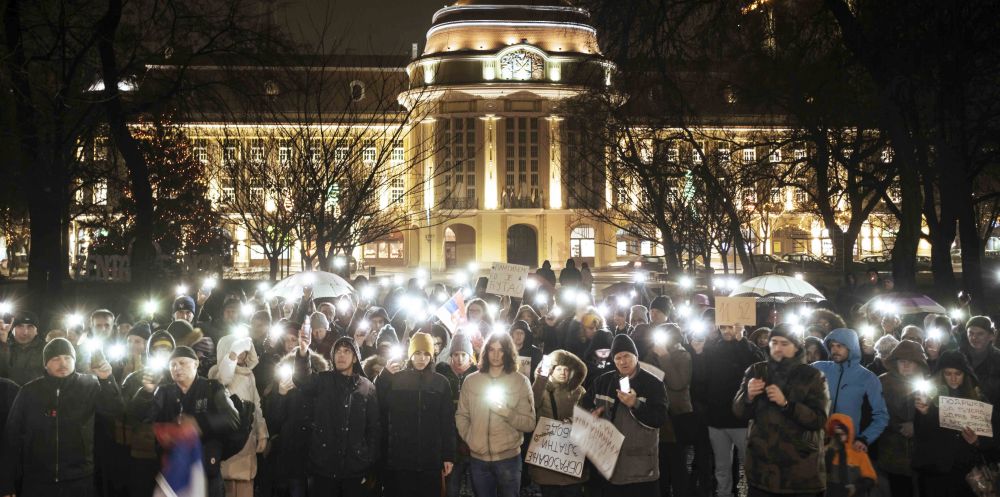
509	352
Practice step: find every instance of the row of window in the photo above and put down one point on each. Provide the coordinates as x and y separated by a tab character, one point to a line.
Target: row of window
259	149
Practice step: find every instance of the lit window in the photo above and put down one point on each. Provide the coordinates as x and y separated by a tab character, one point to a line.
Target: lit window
285	151
749	155
201	150
621	248
775	156
799	154
368	155
581	241
257	150
724	156
101	193
887	155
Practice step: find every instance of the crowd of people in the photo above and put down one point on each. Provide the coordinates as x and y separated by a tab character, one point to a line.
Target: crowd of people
373	393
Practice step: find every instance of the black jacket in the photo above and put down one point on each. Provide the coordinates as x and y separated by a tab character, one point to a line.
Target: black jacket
418	420
22	363
8	391
725	364
988	373
50	432
346	430
207	401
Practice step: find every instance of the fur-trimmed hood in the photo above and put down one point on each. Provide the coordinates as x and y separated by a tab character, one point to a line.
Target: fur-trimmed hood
571	361
317	363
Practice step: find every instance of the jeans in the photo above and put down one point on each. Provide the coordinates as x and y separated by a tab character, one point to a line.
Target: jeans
457	477
490	476
723	440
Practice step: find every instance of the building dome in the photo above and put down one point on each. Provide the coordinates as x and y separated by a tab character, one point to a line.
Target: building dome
554	26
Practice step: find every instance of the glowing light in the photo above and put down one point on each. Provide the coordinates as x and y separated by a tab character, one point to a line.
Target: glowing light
384	282
94	344
473	267
73	320
556	311
421	273
116	352
149	307
639	277
247	309
158	363
582	298
343	305
697	327
209	283
868	331
798	329
660	338
398	280
923	386
460	278
800	276
684	310
957	314
934	334
6	308
541	298
240	331
792	319
495	394
499	327
686	282
604	310
181	290
276	332
263	286
368	293
309	278
396	352
530	284
467	292
364	324
886	307
441	297
339	262
492	309
285	372
623	301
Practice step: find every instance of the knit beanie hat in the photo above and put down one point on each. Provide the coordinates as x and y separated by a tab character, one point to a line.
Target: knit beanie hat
955	359
460	343
623	343
785	330
160	339
179	329
983	322
421	342
183	351
183	303
387	335
140	329
319	320
57	347
25	317
661	303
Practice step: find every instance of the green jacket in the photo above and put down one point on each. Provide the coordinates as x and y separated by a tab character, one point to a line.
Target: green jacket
785	446
22	363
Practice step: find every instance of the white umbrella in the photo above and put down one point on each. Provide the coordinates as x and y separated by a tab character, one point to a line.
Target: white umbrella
777	287
323	284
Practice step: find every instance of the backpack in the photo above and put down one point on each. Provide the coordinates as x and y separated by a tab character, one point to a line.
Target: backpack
233	443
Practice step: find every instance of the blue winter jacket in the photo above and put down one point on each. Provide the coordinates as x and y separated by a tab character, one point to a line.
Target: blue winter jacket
850	382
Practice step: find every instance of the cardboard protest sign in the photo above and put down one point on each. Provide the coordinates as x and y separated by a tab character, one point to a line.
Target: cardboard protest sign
732	310
551	448
956	414
599	440
524	365
507	279
657	372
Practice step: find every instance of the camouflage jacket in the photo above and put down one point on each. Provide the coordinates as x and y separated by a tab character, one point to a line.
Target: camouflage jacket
785	445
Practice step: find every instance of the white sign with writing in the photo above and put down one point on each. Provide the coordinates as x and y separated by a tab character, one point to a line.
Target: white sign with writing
507	279
551	448
957	414
600	441
733	310
524	365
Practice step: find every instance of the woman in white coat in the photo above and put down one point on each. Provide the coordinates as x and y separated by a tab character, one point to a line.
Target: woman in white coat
234	369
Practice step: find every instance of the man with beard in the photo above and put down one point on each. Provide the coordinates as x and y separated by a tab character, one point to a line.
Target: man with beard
787	402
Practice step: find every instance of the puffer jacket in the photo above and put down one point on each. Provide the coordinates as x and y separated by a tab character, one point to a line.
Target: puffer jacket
490	436
290	420
724	365
638	460
895	451
846	466
784	446
849	384
240	381
417	419
22	363
556	401
346	428
49	434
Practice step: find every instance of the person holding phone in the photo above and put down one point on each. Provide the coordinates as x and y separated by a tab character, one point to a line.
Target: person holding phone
786	401
638	413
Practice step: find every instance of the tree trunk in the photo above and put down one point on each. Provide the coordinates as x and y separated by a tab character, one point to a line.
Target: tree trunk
274	264
972	264
143	253
904	252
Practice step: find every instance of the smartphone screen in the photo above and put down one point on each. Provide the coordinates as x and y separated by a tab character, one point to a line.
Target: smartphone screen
623	385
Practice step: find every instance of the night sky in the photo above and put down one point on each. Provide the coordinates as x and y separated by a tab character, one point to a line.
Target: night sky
361	26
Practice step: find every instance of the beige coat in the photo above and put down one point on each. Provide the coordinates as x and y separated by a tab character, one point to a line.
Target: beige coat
239	380
490	436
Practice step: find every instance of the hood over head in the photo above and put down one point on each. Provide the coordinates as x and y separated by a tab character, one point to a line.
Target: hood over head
570	360
848	338
349	343
843	420
228	343
909	351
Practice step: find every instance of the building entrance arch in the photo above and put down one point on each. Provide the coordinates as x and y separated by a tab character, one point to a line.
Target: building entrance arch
522	245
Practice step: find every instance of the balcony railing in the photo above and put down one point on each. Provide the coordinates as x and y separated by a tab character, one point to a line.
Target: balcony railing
522	202
459	203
